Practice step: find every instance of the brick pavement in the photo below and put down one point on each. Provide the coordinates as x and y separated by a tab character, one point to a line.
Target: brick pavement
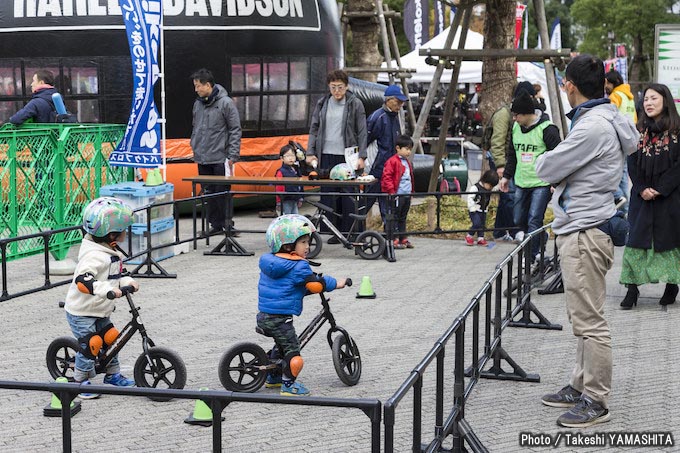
212	305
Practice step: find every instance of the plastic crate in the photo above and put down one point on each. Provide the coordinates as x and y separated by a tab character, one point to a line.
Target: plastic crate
162	232
474	159
136	194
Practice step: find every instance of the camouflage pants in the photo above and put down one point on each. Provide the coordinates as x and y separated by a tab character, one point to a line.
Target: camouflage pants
280	327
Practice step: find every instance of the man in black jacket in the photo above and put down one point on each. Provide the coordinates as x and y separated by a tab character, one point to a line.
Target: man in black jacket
40	107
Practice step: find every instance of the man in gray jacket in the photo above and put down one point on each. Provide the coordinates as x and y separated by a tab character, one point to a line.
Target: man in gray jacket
586	168
215	139
338	122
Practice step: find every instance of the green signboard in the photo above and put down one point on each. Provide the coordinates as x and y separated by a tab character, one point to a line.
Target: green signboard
667	58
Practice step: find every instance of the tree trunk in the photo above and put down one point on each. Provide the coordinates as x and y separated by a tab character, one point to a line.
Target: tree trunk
498	74
365	38
636	66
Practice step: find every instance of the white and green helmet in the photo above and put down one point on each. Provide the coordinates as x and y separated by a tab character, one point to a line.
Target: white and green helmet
106	215
342	172
286	229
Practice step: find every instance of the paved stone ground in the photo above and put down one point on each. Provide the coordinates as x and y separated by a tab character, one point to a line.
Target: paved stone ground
212	305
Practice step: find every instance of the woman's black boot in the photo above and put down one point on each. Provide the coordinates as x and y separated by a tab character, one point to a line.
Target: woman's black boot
631	298
669	294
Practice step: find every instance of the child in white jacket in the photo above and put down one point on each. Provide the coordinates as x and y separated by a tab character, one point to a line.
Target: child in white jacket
477	207
99	271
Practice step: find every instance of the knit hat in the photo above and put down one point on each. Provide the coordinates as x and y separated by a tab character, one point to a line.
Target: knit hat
523	103
524	86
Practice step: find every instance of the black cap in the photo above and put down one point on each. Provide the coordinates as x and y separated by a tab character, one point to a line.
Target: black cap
523	103
524	86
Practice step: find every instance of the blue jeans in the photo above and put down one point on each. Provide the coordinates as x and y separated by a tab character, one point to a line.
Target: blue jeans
81	326
504	213
622	191
289	207
530	206
506	203
478	223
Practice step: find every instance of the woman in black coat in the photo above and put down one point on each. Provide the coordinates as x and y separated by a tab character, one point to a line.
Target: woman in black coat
652	253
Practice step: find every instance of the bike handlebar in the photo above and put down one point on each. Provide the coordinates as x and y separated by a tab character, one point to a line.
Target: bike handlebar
348	282
124	289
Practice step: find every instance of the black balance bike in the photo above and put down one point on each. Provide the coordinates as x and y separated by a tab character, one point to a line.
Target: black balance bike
368	244
156	367
244	367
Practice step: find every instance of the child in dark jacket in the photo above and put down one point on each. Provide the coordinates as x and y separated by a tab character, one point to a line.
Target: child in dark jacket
286	202
477	206
397	181
285	278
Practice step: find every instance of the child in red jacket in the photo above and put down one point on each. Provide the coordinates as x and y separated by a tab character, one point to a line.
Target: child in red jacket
397	181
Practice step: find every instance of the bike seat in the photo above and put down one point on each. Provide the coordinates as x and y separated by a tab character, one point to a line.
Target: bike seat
357	216
321	206
259	330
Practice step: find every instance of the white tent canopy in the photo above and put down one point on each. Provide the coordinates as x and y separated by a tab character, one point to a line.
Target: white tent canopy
470	71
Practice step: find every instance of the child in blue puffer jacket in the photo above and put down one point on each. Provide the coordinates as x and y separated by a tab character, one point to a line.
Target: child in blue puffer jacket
284	278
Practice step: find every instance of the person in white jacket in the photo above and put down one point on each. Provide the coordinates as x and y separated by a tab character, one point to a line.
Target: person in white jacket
98	273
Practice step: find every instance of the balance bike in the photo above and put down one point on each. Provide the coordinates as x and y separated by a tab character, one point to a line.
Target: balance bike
368	244
156	367
244	367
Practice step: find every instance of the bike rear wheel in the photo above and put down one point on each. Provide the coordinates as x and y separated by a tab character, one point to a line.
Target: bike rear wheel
166	370
241	368
346	360
372	245
61	357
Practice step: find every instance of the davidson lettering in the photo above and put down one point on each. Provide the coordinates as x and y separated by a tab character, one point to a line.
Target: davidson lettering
189	8
29	15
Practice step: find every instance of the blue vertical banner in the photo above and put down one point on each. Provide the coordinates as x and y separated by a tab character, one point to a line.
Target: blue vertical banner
141	145
416	15
439	13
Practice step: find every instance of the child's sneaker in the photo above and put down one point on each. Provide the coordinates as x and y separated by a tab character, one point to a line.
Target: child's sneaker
469	240
118	380
272	381
398	245
406	243
482	241
87	395
294	389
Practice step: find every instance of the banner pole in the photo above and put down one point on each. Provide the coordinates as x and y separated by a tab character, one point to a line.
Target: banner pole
162	75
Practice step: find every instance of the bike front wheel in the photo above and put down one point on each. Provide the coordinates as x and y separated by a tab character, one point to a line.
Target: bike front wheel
315	244
371	245
242	367
61	357
346	360
166	370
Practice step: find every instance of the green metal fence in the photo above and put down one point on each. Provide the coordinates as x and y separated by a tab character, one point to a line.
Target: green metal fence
48	173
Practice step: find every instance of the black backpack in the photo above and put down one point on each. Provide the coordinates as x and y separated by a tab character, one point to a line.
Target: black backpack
62	117
56	117
488	132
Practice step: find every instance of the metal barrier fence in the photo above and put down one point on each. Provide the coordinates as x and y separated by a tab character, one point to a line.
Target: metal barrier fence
486	313
489	296
217	400
48	173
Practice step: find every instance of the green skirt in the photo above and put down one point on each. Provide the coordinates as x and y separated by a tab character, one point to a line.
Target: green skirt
642	266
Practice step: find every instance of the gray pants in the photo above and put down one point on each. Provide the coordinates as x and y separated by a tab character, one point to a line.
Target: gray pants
585	258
